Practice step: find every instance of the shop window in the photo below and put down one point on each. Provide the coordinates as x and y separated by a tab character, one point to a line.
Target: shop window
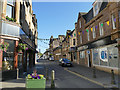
8	56
106	56
113	56
96	56
101	28
103	56
94	34
19	60
10	10
113	21
82	54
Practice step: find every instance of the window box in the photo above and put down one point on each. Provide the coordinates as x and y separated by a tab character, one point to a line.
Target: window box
10	19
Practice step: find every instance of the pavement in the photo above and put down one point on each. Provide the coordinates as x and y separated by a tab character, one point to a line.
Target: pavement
66	77
102	78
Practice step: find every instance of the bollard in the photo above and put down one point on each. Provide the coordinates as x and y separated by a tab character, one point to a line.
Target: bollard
112	77
17	73
94	72
47	78
52	79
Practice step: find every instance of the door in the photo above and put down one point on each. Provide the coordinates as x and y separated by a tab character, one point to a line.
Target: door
89	58
71	57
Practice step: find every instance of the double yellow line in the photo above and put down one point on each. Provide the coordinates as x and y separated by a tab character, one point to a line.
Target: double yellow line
85	77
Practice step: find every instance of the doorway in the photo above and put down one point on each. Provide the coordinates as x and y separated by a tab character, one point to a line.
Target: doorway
71	57
89	58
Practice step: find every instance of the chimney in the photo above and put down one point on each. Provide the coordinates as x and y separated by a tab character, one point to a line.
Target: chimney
75	25
68	31
51	37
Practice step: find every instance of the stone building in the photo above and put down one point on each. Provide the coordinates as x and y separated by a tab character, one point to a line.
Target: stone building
73	45
98	41
54	43
65	45
18	32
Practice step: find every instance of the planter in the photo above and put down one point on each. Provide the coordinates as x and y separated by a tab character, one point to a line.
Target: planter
36	83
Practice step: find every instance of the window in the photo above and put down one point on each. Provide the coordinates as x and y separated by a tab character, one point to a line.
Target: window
95	9
106	56
73	41
82	54
101	28
88	35
119	17
113	21
81	39
10	10
94	35
80	23
8	56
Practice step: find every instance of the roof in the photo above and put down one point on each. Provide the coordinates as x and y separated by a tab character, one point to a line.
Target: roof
59	47
104	4
71	32
88	16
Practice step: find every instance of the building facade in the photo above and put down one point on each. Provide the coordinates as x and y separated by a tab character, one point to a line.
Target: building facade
98	41
18	32
55	43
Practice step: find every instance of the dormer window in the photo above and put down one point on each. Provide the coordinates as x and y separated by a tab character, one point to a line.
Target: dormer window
96	7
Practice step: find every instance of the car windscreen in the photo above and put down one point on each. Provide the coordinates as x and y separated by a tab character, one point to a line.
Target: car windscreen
66	60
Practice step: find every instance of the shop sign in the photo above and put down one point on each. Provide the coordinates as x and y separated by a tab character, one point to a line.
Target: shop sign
88	52
103	54
82	48
58	54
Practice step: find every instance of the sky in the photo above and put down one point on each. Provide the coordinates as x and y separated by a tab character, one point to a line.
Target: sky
55	18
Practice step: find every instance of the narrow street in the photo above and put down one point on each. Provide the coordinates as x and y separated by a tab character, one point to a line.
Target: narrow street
63	78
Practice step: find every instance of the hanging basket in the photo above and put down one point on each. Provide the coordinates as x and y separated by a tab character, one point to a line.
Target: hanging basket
4	46
21	47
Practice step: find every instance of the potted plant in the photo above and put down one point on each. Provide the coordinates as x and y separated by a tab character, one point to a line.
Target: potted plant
35	80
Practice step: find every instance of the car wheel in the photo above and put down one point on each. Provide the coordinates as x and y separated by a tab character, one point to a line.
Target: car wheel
62	65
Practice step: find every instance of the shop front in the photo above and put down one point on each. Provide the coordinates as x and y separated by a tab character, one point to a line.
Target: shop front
9	37
104	54
106	57
9	61
81	52
73	54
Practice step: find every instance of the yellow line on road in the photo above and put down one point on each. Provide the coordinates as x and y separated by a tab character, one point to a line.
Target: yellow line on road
85	77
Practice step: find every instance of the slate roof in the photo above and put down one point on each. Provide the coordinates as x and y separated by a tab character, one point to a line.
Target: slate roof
90	15
104	4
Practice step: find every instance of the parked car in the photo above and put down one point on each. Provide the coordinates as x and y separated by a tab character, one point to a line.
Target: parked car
65	62
51	59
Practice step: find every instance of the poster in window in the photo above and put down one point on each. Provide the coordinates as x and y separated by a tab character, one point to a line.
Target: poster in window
103	54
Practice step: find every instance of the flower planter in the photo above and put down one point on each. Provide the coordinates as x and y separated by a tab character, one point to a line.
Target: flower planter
36	83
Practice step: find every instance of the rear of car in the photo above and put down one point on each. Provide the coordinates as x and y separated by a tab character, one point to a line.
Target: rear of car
65	62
